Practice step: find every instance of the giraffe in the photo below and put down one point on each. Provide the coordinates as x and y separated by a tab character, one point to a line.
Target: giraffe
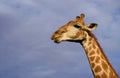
78	31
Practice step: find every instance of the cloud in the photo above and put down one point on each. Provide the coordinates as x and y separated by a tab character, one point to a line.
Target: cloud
26	48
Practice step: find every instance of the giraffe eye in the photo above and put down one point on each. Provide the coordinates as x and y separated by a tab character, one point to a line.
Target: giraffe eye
77	26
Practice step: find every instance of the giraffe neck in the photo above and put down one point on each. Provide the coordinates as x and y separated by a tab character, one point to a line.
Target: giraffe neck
99	63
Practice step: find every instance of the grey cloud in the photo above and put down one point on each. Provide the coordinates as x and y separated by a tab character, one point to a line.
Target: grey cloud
27	50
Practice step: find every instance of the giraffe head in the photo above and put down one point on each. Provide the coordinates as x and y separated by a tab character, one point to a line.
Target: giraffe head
74	30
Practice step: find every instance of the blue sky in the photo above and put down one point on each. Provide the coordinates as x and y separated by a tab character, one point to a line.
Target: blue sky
26	48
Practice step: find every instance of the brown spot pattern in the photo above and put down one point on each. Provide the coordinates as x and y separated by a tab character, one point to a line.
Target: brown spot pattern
92	58
94	46
93	65
104	75
104	65
97	69
97	76
98	51
111	75
92	53
97	60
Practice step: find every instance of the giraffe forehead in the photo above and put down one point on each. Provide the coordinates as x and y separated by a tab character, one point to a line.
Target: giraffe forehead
67	26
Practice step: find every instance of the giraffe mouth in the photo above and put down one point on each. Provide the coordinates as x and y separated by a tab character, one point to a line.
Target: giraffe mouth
76	41
56	39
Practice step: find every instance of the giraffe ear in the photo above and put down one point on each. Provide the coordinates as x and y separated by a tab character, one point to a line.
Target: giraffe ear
92	26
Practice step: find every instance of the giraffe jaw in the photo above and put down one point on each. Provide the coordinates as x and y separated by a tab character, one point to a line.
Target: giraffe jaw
59	41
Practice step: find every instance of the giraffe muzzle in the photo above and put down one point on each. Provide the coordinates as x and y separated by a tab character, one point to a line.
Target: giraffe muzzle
56	39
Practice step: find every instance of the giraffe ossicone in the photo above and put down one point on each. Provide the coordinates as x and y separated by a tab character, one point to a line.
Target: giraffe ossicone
80	32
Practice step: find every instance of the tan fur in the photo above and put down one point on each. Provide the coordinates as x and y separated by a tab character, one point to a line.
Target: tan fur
78	31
